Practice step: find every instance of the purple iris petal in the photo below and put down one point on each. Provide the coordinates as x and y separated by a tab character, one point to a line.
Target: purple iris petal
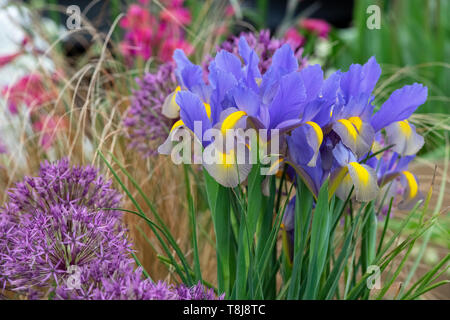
251	60
221	83
182	62
343	155
400	105
288	100
246	100
300	149
360	79
284	61
313	79
191	110
229	62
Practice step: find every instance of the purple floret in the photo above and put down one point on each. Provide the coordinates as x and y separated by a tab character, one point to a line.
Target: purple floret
147	127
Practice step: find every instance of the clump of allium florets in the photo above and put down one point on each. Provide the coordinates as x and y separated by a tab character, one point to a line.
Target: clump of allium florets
120	281
60	240
264	46
146	126
56	224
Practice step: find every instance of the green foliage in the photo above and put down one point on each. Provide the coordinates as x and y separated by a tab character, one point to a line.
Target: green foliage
413	44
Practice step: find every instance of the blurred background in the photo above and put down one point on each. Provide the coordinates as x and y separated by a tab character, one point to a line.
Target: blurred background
89	80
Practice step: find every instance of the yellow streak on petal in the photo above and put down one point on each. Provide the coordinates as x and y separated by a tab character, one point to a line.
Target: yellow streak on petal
227	159
231	121
361	172
405	128
376	146
175	95
412	183
208	109
350	128
347	179
258	81
336	181
177	124
318	131
357	122
275	165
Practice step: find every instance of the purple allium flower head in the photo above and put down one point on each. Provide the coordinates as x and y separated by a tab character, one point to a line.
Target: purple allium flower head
197	292
264	46
130	285
57	239
145	122
7	232
55	225
123	282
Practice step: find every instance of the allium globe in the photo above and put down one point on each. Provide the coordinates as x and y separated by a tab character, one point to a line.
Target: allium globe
145	123
57	224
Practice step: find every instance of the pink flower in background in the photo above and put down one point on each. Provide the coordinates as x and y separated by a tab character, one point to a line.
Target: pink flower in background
6	59
169	46
158	35
48	126
138	43
137	18
294	38
229	11
138	38
174	12
29	90
318	26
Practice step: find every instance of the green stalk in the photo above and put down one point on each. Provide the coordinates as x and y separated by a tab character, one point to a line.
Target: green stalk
193	221
219	203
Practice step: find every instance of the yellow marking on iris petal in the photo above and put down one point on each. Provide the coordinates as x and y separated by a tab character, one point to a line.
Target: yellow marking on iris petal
177	124
357	122
275	164
347	179
405	128
175	95
258	81
231	121
361	172
376	146
336	181
208	109
227	159
350	128
318	132
412	183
